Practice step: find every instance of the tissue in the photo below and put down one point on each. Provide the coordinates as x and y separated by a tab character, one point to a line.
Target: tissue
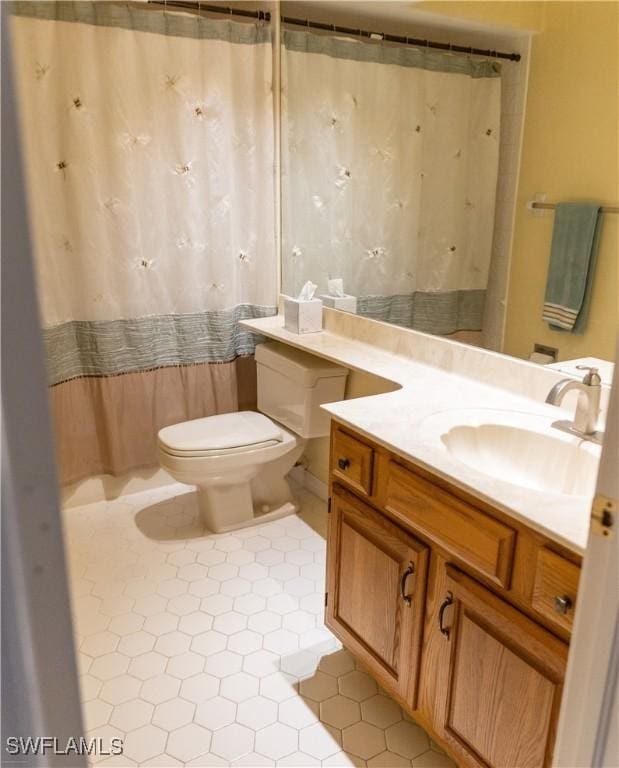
337	299
303	314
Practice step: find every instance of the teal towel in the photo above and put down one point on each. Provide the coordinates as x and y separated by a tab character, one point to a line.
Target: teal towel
573	254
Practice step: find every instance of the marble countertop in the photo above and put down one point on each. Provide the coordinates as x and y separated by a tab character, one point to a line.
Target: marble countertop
407	420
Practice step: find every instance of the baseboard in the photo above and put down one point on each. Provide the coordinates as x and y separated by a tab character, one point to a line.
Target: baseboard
310	482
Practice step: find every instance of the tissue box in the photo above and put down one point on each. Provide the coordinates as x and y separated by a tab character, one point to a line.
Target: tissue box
346	303
302	316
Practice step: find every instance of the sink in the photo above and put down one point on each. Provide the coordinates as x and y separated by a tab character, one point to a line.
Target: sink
521	449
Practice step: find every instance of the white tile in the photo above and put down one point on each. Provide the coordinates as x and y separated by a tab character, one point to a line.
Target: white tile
109	665
277	740
267	587
245	642
257	712
145	743
264	621
173	643
301	664
239	686
126	623
223	664
183	604
284	571
211	557
268	557
120	689
188	742
215	713
131	714
100	643
357	685
193	572
147	665
299	621
236	587
283	604
261	663
89	687
216	604
223	571
208	643
160	688
161	623
278	686
230	623
253	760
172	587
228	543
185	665
298	759
96	713
136	643
338	663
182	557
281	641
195	623
199	688
233	741
204	587
298	713
320	687
173	714
319	741
149	605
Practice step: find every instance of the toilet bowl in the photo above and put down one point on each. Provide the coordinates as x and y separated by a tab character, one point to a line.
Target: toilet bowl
239	461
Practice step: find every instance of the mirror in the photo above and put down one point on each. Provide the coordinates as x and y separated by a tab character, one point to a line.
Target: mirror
400	166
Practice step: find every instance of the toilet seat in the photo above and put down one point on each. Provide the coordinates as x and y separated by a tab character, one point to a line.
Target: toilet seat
221	435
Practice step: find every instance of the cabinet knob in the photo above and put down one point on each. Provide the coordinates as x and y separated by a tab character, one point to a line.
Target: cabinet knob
343	464
563	603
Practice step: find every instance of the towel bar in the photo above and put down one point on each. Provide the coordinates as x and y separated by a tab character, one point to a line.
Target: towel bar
551	207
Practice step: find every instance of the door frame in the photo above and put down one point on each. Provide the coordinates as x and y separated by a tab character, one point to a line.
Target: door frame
588	734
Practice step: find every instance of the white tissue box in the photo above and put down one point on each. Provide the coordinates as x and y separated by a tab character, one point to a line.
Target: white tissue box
302	316
346	303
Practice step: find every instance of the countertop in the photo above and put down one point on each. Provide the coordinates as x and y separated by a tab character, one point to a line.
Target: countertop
407	420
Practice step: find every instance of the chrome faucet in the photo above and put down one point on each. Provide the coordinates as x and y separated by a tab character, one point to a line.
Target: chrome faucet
587	407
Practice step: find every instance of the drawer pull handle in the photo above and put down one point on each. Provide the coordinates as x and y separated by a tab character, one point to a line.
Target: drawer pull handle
562	604
343	464
441	614
408	572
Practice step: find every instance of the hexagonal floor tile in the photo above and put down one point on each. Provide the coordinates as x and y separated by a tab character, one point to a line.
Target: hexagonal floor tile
131	715
144	743
120	689
223	664
338	663
96	713
407	739
364	740
183	604
161	623
230	623
388	760
185	665
189	742
195	623
433	759
245	642
136	643
147	665
357	685
215	713
298	712
233	741
257	712
319	741
340	712
109	665
100	643
208	643
239	686
173	643
319	687
277	740
173	714
199	688
381	711
160	688
261	663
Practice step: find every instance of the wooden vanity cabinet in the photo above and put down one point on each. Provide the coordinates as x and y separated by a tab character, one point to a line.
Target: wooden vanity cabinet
478	657
375	592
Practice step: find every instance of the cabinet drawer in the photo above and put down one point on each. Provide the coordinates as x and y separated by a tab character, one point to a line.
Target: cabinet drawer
555	587
481	542
352	462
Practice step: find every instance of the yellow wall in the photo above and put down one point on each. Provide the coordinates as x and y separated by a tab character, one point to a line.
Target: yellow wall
507	13
569	152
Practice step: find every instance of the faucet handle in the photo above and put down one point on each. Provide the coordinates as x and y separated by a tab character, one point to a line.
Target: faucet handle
591	379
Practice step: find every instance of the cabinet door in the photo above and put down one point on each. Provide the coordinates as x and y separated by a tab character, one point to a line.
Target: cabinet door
505	680
376	587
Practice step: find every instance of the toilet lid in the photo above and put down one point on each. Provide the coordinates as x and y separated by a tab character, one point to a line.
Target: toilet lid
225	431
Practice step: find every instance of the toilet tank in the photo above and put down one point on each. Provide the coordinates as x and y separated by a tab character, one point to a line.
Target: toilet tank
292	385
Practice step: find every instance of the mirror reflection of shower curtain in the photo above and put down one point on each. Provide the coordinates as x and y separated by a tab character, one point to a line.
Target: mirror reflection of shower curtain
149	148
389	170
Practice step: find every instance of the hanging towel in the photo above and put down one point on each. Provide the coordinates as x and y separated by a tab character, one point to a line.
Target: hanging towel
573	253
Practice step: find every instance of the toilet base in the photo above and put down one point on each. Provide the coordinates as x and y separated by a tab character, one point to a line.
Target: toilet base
230	507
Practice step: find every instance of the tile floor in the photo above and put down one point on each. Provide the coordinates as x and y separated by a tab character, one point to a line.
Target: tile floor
210	650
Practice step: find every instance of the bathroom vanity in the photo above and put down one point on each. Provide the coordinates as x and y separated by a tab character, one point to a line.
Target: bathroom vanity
461	613
453	561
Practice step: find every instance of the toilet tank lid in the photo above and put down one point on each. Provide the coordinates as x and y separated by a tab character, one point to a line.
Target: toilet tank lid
297	365
224	431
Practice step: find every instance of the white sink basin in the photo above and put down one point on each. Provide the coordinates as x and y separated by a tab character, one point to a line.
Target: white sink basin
521	449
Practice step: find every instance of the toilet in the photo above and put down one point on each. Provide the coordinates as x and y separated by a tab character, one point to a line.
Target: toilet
239	461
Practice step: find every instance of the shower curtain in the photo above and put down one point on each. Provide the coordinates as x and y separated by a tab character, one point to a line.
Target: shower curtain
390	161
148	141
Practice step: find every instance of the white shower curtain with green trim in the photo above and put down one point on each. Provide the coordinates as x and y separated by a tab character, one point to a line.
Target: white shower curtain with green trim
390	160
149	146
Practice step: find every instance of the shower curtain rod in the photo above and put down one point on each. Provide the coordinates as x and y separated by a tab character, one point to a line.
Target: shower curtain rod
403	39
